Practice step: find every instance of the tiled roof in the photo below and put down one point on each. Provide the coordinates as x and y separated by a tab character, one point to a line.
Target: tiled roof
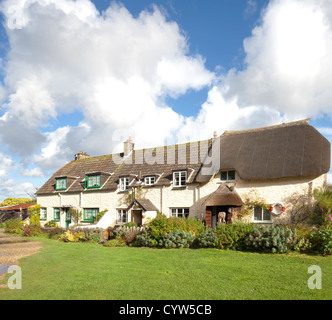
159	162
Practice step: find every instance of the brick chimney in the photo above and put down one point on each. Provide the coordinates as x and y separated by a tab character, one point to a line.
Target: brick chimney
81	155
128	146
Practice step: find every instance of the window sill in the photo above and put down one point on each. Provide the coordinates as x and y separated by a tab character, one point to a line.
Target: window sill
179	188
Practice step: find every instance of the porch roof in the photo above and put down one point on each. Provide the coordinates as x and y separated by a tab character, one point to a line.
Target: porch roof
145	204
224	196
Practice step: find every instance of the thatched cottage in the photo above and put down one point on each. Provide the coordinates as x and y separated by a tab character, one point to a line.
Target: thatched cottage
210	180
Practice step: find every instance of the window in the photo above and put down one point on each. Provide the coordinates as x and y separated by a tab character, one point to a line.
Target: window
227	175
124	183
149	181
122	216
179	179
90	214
93	181
43	214
56	214
61	184
262	215
180	212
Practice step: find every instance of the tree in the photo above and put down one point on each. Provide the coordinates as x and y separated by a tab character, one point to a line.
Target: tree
15	201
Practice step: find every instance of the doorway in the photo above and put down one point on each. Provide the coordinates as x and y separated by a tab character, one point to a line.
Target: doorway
136	216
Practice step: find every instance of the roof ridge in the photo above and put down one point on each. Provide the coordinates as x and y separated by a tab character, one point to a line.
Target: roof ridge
286	124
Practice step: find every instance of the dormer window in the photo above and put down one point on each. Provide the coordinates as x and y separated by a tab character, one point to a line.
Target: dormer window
124	184
93	181
149	181
60	184
179	178
227	175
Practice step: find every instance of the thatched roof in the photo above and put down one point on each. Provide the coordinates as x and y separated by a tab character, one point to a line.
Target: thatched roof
223	196
288	150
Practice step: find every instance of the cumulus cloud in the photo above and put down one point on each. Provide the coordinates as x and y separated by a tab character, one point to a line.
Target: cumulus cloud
288	60
115	68
118	70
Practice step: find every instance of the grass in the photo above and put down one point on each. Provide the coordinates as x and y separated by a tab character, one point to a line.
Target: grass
90	271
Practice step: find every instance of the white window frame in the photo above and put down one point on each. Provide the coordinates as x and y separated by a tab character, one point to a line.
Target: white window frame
149	181
261	221
227	173
124	183
43	213
178	180
175	212
121	216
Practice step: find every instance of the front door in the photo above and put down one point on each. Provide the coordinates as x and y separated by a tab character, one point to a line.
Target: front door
136	216
68	218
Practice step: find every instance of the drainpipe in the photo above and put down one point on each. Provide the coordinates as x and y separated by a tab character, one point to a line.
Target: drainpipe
161	199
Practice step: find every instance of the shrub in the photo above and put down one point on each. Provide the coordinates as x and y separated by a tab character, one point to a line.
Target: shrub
232	236
162	225
144	240
68	237
130	224
51	224
322	241
115	243
208	239
31	230
34	214
177	239
14	226
274	239
302	243
56	233
158	227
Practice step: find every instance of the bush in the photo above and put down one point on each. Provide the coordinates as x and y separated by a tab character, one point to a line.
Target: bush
232	236
34	214
322	241
302	243
68	237
130	224
31	230
14	226
274	239
56	233
177	239
115	243
161	225
208	239
144	240
51	224
82	235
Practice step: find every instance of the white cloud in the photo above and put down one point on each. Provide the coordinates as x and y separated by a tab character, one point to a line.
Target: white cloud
6	165
16	189
288	60
116	68
35	172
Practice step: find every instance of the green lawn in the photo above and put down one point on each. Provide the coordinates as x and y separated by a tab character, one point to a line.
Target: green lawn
91	271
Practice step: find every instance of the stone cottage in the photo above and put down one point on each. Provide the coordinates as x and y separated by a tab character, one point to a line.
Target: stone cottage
207	180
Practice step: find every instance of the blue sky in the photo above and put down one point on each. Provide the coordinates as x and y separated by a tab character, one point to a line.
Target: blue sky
84	75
